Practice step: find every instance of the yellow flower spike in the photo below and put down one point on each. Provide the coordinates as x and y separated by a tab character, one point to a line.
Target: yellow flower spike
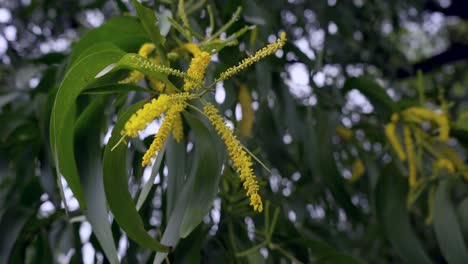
262	53
178	130
145	115
133	77
411	157
344	133
192	48
390	131
426	114
248	113
241	160
163	132
146	49
197	69
357	170
443	164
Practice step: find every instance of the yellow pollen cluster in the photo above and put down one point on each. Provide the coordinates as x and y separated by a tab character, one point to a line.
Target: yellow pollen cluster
145	115
390	131
443	164
357	170
411	156
241	160
178	130
344	132
163	132
197	69
262	53
192	48
425	114
146	49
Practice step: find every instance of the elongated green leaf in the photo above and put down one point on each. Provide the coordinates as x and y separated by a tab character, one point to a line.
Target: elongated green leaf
116	187
150	22
88	136
207	167
204	177
447	228
125	32
154	172
10	226
175	162
383	104
391	211
63	112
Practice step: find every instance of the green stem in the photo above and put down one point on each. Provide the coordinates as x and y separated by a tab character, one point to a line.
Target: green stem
285	253
255	158
252	249
227	25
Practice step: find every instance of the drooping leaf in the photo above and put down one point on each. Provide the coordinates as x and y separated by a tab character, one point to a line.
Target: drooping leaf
129	37
197	194
149	22
446	226
63	112
89	161
390	196
116	187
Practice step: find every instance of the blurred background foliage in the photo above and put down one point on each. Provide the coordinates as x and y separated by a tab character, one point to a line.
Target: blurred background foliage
337	193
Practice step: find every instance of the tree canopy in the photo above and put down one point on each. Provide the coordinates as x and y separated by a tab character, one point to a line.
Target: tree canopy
237	131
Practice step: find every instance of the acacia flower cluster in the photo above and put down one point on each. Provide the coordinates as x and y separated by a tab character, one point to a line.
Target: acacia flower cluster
240	159
411	118
172	103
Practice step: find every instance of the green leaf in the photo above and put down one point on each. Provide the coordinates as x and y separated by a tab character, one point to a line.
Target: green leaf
116	187
176	166
88	142
154	172
63	113
150	22
390	195
378	97
446	226
202	181
125	32
206	172
11	225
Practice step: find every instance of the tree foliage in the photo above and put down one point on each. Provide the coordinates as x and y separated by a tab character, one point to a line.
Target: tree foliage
306	131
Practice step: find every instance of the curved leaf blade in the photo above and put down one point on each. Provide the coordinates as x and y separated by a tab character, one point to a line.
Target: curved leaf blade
116	187
447	228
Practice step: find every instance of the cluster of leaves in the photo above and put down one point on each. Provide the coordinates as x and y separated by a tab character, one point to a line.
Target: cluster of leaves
313	213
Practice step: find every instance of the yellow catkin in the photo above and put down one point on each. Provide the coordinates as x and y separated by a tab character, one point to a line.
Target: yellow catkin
136	76
344	133
178	130
163	132
411	157
145	115
426	114
443	164
357	170
390	131
241	160
192	48
262	53
197	70
146	49
246	124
